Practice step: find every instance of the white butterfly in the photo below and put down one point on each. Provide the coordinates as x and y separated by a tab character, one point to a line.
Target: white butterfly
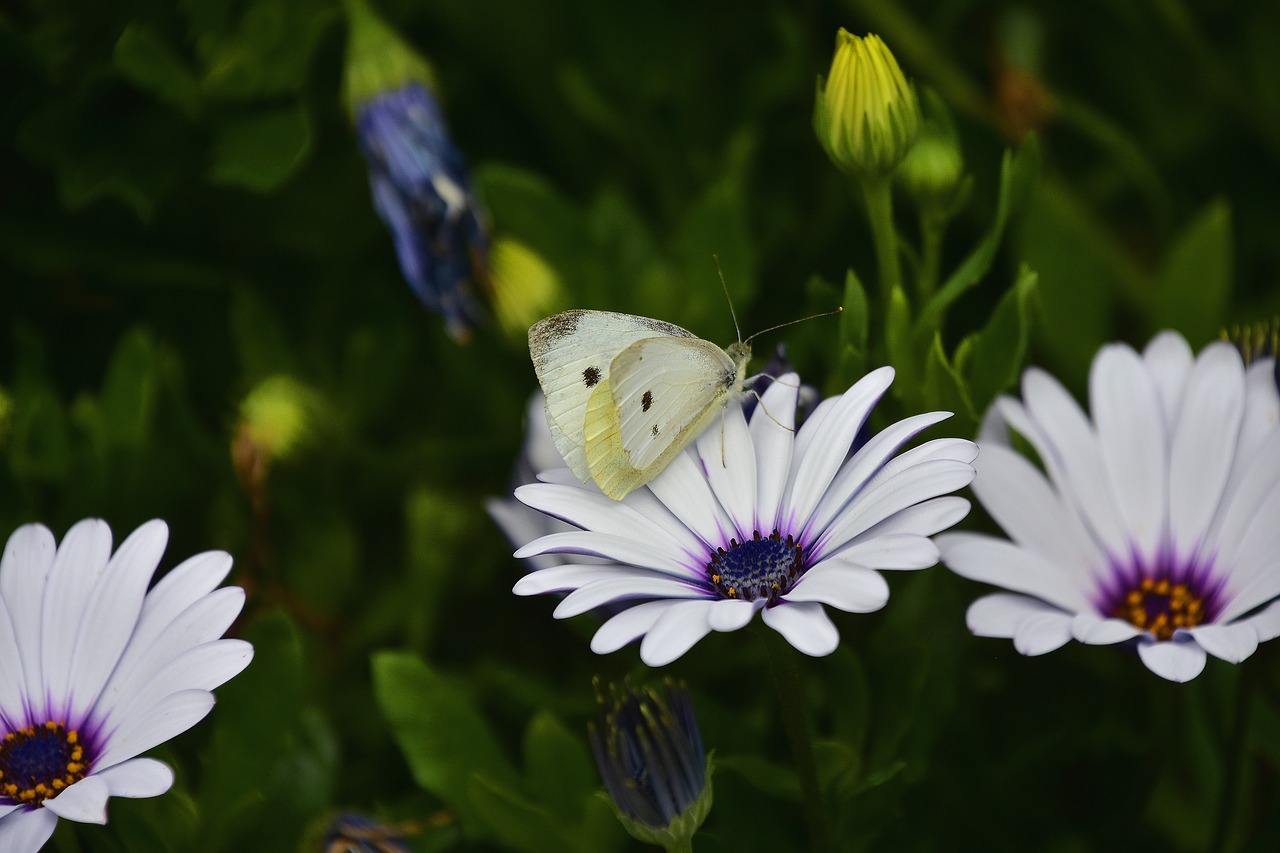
625	394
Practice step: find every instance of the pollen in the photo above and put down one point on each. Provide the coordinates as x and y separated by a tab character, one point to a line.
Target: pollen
1161	607
762	567
39	761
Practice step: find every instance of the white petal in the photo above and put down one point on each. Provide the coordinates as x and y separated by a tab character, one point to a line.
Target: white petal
1204	444
137	778
1232	643
1133	440
730	462
1262	405
923	519
1254	561
1000	614
1169	359
843	585
561	578
1179	659
1063	437
28	556
1031	513
1244	498
616	549
827	444
773	436
683	489
1042	633
112	612
805	625
622	585
730	615
202	622
882	499
1095	630
675	632
892	551
82	557
522	525
204	667
591	510
854	475
171	717
26	831
11	672
85	801
1266	622
629	625
995	561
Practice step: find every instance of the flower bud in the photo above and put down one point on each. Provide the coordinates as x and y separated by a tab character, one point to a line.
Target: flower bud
866	115
525	287
650	756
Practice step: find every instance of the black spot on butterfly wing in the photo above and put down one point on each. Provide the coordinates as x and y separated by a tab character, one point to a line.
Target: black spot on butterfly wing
654	431
591	376
646	401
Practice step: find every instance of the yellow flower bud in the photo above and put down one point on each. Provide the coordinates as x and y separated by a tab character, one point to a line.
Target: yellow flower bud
525	287
866	115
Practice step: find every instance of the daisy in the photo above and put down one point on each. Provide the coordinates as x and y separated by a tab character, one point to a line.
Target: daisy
1153	523
755	517
95	670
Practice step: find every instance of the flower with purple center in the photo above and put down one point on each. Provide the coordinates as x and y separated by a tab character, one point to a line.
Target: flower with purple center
755	516
95	670
423	194
1151	524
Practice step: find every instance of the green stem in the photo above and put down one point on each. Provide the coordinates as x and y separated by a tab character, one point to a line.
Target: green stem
685	846
879	196
1235	758
931	228
787	682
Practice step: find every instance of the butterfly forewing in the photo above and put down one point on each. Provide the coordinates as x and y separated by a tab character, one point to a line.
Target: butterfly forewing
572	353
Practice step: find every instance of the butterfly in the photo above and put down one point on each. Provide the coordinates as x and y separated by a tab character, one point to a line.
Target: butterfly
625	394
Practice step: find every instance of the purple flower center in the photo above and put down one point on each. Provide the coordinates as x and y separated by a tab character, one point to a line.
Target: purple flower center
1161	607
38	762
1163	594
759	567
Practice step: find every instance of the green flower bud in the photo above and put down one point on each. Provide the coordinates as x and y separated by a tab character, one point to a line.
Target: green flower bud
934	167
525	287
378	59
866	115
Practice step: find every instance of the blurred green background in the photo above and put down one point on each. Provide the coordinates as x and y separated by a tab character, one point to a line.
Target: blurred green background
184	214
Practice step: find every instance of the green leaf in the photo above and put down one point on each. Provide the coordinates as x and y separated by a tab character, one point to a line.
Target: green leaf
40	438
944	386
856	316
558	767
1019	172
897	331
773	779
266	52
999	352
1195	279
144	56
260	152
129	391
441	733
514	821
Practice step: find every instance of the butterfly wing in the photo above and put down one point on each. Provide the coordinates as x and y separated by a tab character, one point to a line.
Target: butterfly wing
572	355
661	393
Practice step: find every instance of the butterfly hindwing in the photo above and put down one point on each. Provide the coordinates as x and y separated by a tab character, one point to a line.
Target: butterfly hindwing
572	353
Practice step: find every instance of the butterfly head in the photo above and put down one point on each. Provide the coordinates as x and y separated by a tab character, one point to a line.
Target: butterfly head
739	353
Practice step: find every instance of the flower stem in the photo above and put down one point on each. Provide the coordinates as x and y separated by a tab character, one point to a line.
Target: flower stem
931	228
787	682
1235	749
879	197
683	846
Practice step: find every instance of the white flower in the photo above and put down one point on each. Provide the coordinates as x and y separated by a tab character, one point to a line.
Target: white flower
95	670
1157	521
755	517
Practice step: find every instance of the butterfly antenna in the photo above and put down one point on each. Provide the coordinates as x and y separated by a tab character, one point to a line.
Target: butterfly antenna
727	297
792	323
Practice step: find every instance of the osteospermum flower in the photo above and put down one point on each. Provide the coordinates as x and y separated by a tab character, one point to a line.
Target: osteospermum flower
1155	524
95	670
755	517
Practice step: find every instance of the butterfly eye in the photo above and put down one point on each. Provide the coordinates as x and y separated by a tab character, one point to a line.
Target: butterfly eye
591	376
646	401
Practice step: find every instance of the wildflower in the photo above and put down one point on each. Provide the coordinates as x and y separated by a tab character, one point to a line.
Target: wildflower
1155	523
866	115
95	670
353	833
419	180
755	516
650	755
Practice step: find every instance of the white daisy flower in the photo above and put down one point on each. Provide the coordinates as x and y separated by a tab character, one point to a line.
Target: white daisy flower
755	516
1155	523
95	670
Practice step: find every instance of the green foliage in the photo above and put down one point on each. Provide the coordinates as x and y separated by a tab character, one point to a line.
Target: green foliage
184	213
